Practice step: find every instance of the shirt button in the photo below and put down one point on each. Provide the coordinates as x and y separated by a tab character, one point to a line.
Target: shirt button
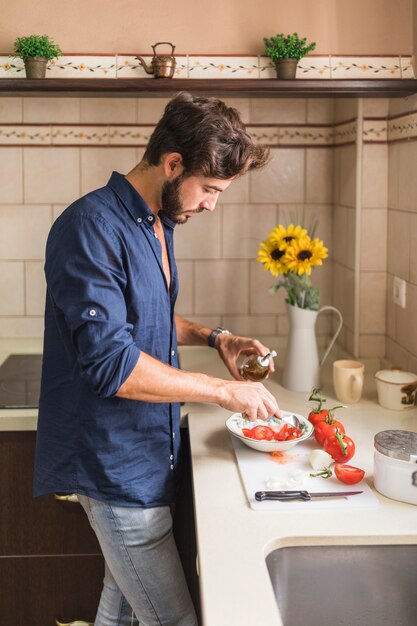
171	458
139	220
92	312
172	352
150	218
171	467
173	435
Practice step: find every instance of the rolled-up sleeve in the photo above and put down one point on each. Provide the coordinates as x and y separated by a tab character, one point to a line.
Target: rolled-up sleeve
86	281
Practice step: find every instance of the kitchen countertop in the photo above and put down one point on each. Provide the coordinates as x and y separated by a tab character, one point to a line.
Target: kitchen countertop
233	540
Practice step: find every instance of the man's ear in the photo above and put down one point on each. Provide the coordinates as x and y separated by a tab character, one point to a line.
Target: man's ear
173	165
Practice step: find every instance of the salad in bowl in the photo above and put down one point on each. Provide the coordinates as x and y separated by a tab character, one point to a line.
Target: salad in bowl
272	435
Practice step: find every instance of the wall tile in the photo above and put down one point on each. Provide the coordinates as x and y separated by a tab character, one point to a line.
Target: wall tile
406	334
390	308
184	304
262	302
11	110
320	110
23	231
345	109
97	164
150	110
319	175
80	135
374	239
372	303
393	175
362	67
11	175
375	176
51	175
375	107
12	297
251	326
280	180
35	288
200	237
221	287
77	66
223	67
413	249
348	175
340	228
396	354
23	327
58	110
108	110
399	244
343	294
279	111
407	180
372	345
244	227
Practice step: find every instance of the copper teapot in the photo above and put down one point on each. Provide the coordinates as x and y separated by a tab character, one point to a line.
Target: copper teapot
162	66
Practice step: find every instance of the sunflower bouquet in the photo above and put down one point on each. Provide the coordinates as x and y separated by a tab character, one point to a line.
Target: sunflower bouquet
291	252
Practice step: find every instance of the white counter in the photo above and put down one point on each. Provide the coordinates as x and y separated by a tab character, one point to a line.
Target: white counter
233	540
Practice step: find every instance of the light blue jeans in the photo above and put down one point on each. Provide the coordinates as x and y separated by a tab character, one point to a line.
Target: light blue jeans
144	583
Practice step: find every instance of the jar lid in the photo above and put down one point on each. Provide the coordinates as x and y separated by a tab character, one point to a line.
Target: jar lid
398	444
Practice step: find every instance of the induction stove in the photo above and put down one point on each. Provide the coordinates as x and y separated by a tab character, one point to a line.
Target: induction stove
20	381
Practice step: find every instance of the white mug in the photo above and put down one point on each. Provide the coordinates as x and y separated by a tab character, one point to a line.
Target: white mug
348	380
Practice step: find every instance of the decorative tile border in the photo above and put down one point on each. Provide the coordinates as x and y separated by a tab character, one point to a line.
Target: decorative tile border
206	66
375	130
403	128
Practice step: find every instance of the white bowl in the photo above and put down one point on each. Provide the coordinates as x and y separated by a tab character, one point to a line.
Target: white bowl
396	389
236	422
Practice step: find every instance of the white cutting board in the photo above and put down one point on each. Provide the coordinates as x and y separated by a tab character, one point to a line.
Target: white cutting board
256	468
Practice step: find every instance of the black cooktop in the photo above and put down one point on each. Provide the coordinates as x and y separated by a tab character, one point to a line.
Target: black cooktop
20	381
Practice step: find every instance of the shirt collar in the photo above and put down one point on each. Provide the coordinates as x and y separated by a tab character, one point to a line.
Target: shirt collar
133	201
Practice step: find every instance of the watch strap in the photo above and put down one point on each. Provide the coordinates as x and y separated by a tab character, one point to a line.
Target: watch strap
217	331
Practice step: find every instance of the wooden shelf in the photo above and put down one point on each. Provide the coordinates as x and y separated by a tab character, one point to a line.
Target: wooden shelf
240	88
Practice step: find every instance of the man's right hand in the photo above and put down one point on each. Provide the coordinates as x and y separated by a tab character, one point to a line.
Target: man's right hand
253	400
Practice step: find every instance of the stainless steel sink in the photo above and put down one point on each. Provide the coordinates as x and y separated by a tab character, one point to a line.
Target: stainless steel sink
345	585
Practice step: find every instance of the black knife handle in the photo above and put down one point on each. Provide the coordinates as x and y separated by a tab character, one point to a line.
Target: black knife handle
282	495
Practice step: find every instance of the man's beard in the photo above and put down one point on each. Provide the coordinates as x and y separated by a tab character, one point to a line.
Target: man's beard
172	206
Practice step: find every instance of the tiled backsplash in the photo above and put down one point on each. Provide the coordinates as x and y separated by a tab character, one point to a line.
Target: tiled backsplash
313	168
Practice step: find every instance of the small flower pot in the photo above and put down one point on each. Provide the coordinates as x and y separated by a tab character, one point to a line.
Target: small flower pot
35	67
286	68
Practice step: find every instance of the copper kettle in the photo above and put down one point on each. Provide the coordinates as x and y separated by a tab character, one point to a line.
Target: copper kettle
162	66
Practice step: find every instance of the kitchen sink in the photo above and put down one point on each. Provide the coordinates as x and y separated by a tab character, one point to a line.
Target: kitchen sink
365	585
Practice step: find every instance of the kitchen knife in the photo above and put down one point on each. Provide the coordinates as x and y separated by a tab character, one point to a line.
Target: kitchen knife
301	495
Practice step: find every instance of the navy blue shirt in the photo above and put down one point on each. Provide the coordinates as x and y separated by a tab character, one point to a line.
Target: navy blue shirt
107	299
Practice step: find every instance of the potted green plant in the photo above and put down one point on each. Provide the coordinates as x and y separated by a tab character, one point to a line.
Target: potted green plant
36	51
286	51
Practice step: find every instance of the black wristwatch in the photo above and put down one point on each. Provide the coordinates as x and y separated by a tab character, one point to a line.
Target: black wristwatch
217	331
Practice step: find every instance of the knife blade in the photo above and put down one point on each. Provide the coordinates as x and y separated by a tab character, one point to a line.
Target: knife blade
302	495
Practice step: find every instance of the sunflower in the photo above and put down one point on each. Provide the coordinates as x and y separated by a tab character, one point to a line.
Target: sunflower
271	255
273	248
303	253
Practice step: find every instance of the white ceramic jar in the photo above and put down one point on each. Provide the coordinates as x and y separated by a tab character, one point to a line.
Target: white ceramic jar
396	389
395	465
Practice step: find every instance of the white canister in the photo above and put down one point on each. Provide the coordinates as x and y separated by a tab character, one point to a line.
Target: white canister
395	465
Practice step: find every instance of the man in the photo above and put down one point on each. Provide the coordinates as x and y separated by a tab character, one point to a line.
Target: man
109	408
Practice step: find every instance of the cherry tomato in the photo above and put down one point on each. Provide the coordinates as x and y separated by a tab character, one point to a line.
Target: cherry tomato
282	434
340	447
317	416
293	433
348	474
324	430
263	433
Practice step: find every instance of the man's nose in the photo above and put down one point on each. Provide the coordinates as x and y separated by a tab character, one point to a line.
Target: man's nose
209	204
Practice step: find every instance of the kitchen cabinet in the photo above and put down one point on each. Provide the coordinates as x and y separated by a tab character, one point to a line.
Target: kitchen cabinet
51	565
237	87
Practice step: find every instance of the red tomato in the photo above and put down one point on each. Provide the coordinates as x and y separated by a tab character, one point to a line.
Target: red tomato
348	474
247	432
340	447
293	433
282	434
317	416
263	433
324	430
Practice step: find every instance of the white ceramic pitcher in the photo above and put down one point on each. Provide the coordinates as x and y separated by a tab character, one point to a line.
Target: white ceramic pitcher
302	364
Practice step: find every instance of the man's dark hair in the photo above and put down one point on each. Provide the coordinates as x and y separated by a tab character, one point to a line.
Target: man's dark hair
209	135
